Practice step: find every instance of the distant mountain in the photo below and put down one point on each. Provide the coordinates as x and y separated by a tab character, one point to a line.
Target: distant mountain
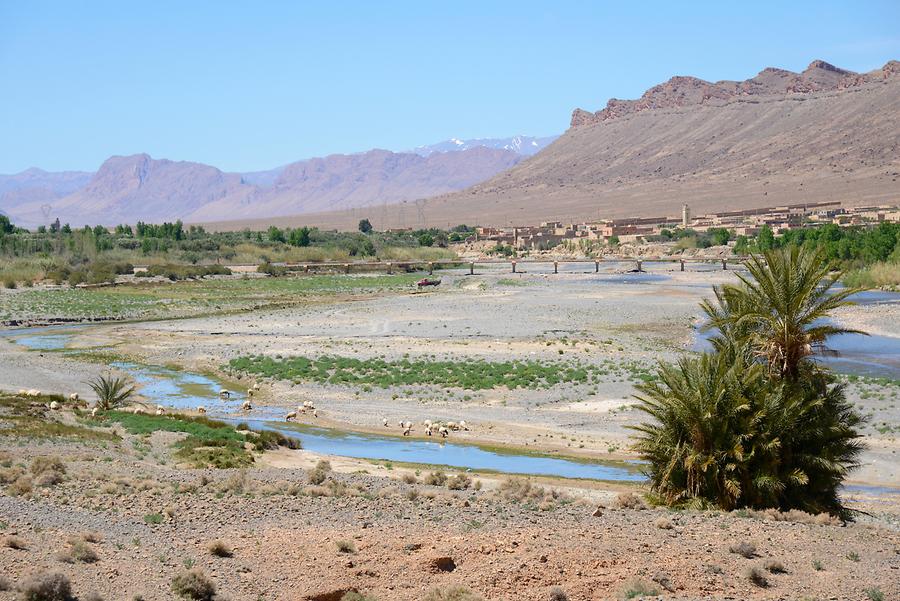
36	186
524	145
352	181
777	138
130	188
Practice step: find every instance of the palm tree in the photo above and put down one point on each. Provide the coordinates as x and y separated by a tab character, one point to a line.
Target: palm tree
111	392
779	310
756	423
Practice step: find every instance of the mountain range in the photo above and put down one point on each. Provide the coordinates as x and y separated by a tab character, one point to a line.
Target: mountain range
126	189
824	134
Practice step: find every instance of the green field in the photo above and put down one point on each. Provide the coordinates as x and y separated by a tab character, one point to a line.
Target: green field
467	374
187	298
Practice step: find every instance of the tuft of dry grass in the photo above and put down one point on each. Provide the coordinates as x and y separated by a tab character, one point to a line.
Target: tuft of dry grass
744	549
78	552
556	593
775	567
452	593
320	473
435	478
14	542
345	546
194	584
220	548
663	523
459	482
47	587
756	576
629	500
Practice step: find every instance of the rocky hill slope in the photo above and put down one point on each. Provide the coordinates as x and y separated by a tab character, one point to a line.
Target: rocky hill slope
779	137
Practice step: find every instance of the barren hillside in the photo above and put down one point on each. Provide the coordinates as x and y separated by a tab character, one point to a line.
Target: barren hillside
781	137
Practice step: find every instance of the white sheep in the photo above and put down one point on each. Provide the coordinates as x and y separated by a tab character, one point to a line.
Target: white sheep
201	409
94	411
256	386
428	431
407	425
224	393
315	413
406	431
54	405
23	392
443	432
250	392
463	426
73	397
427	423
452	426
33	392
246	405
160	411
290	416
385	422
138	411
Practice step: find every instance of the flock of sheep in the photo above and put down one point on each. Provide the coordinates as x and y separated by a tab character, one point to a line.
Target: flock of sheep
441	428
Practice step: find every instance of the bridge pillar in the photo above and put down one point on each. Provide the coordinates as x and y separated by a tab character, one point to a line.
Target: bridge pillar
472	268
513	266
430	268
682	264
555	266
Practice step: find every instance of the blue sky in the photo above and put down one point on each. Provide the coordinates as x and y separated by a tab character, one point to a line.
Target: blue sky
253	85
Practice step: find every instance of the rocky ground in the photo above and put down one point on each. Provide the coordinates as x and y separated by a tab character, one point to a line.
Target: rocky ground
122	525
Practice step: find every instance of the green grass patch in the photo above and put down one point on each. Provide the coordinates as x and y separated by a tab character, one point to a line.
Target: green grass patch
209	443
467	373
189	298
28	417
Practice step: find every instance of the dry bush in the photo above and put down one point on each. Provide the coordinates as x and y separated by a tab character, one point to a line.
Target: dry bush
91	597
556	593
796	516
14	542
194	584
237	483
409	478
663	523
345	546
744	549
459	482
775	567
629	500
79	552
639	588
220	548
521	490
88	537
47	587
756	576
452	593
435	478
320	473
21	487
48	479
10	474
41	465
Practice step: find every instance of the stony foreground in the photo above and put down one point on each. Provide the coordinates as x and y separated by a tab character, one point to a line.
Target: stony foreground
123	522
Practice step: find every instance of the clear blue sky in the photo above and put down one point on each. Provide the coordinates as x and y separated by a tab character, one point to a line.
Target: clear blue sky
252	85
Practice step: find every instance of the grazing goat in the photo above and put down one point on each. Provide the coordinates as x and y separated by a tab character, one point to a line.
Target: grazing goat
73	397
290	416
54	405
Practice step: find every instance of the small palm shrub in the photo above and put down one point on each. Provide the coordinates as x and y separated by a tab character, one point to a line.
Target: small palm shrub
111	392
